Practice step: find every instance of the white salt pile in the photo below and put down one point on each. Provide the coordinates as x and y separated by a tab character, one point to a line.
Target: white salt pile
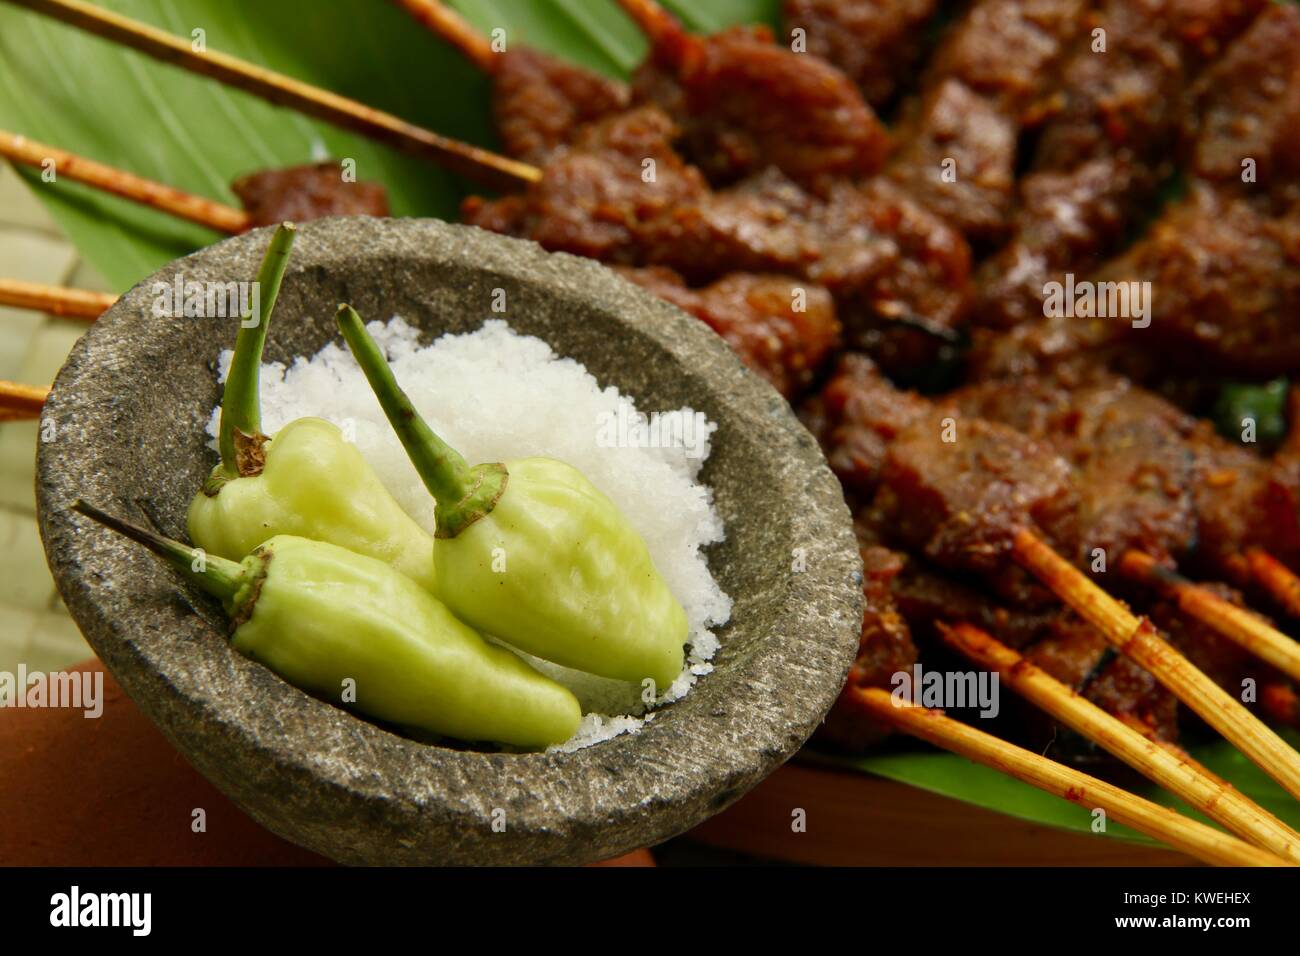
494	395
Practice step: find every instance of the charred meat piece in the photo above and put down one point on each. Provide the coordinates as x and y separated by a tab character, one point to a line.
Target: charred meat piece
1247	106
1151	476
908	315
1074	348
1136	470
1226	284
959	140
594	199
1067	220
539	102
1128	96
302	193
958	157
1101	156
877	43
899	274
1242	500
744	103
1005	50
958	491
855	417
781	329
1131	95
1136	474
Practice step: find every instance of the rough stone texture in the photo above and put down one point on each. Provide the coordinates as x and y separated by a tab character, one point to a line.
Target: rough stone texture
129	408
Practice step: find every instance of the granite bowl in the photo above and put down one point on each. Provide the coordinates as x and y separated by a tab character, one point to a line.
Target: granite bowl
124	427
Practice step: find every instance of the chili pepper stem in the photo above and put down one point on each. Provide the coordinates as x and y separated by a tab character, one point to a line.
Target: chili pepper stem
462	494
240	437
220	577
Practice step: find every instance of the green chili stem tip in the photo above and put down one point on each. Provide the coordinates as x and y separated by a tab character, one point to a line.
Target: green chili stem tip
462	494
220	577
241	406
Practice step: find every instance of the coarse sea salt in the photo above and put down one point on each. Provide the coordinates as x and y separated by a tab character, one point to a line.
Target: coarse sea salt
495	395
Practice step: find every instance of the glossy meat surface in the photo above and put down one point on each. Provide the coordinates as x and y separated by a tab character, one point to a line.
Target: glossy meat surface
856	416
539	102
303	193
960	502
744	102
877	43
599	192
781	328
1226	283
958	157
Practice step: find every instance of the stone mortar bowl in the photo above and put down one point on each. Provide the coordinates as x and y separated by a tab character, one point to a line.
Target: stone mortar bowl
125	428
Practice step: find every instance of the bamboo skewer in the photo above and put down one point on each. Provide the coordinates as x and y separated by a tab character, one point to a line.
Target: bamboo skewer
1137	639
1238	625
1178	753
443	21
68	303
1192	837
661	28
1276	578
21	401
1177	774
205	212
483	166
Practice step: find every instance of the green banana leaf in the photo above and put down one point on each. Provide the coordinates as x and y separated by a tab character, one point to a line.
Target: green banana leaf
69	89
64	87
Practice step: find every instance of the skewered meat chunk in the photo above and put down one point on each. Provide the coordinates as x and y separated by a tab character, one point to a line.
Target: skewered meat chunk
1136	472
594	198
1073	348
891	265
1130	96
958	152
758	318
1066	220
1005	49
302	193
1242	501
1127	97
1226	283
960	502
744	102
1100	159
539	102
1247	105
875	42
855	417
1151	476
958	157
1054	638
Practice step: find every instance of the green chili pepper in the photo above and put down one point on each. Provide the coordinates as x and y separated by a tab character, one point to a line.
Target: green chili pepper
319	616
531	551
306	481
1263	403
